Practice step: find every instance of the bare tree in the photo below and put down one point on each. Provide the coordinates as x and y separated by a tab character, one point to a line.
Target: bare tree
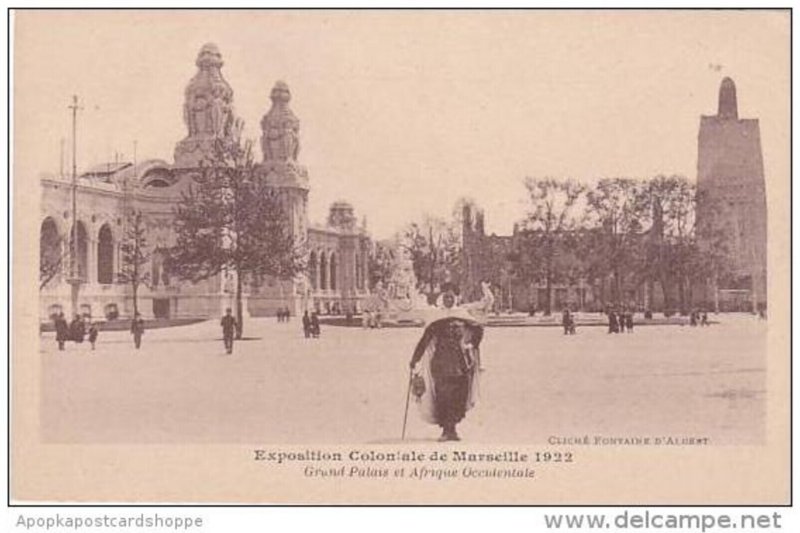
134	254
381	263
51	258
434	246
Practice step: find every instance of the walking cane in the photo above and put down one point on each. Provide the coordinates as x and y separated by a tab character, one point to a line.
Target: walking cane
408	397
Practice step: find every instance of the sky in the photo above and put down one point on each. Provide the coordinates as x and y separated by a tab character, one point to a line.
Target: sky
404	112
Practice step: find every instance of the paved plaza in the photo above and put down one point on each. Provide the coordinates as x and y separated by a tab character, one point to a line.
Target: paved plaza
349	386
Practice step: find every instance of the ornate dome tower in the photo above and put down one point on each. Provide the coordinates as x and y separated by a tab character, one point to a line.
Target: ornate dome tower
341	216
280	137
280	144
207	111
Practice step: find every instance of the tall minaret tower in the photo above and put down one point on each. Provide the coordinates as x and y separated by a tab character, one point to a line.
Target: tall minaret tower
727	108
730	178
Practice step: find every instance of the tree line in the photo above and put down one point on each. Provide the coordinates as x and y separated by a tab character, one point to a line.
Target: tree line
619	232
615	234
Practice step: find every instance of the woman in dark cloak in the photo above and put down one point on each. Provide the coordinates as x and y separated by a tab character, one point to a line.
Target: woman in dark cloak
447	358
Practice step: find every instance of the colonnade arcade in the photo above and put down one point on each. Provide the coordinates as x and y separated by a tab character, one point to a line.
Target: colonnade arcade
324	270
98	254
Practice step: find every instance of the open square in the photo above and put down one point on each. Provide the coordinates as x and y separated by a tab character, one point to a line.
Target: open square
349	385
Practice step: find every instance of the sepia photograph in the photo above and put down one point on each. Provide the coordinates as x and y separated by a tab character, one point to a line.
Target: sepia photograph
531	257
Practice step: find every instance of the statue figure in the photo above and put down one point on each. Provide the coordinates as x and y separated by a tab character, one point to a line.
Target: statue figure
199	112
280	139
207	109
221	114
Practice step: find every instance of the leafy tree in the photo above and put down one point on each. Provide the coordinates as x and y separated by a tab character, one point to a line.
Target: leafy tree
545	241
134	253
613	244
679	253
232	220
660	200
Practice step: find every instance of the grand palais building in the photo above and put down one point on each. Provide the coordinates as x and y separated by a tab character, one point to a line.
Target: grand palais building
336	277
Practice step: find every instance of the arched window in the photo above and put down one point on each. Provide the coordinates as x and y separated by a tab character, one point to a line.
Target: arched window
158	274
50	255
105	255
333	271
323	271
82	250
312	270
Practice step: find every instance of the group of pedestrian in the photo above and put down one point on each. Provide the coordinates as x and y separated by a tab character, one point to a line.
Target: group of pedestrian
311	325
283	314
697	317
77	331
372	319
620	319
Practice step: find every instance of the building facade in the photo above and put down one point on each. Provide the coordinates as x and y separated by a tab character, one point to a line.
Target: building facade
730	182
495	258
86	270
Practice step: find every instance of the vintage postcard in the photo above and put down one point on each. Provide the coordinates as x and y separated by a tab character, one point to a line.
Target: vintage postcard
531	257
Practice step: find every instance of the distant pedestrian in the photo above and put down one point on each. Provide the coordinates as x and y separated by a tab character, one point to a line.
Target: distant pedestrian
77	329
613	323
567	322
315	325
228	324
629	321
704	319
62	330
693	318
306	325
137	329
287	315
93	331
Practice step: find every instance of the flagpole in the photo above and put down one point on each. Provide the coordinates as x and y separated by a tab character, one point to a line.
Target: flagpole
75	279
